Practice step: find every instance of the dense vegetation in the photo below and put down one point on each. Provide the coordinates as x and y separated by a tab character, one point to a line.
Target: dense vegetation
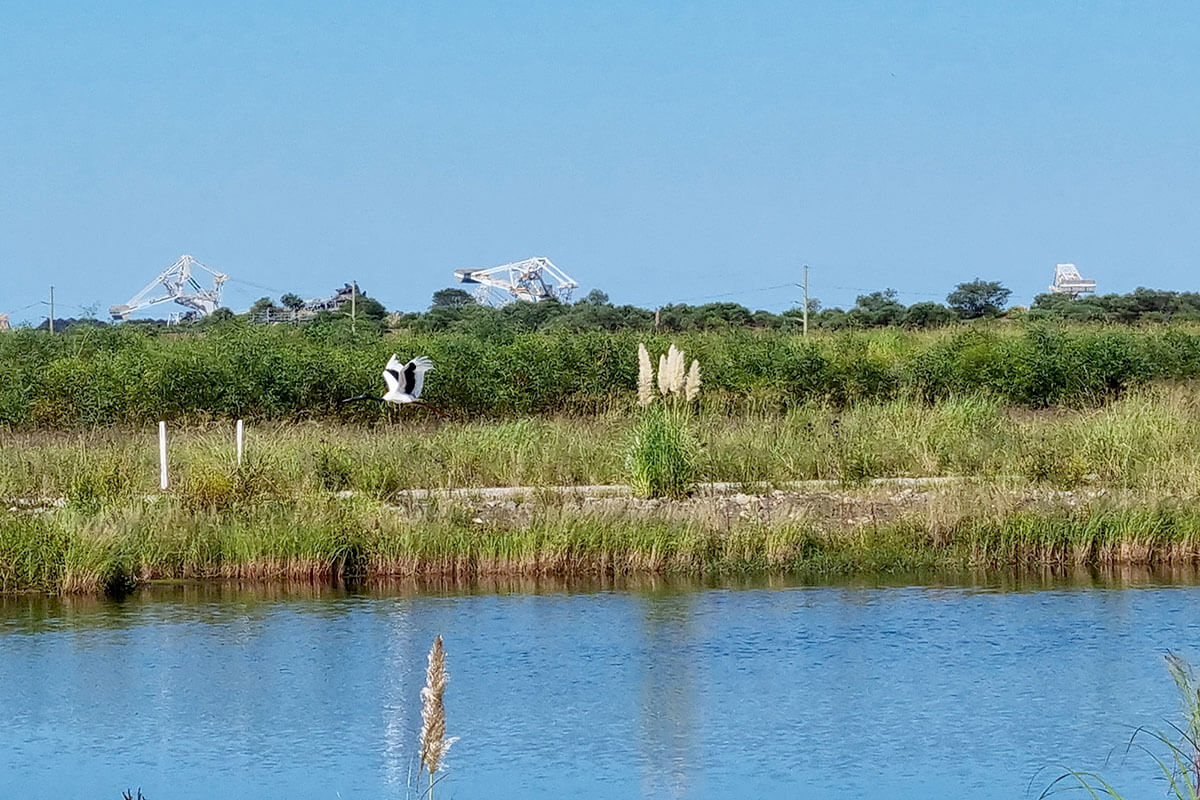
455	310
93	376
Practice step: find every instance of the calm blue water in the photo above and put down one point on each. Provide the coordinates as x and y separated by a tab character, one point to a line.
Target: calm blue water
658	691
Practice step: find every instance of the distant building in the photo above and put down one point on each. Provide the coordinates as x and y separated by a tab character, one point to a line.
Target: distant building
1067	280
342	295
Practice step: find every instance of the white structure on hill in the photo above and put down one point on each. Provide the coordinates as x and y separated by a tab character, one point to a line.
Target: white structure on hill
1067	280
178	284
530	280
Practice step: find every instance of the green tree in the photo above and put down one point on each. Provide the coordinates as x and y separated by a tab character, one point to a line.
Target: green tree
928	315
596	298
451	298
368	308
261	305
876	309
978	298
292	302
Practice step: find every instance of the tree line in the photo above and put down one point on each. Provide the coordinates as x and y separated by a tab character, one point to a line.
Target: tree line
454	309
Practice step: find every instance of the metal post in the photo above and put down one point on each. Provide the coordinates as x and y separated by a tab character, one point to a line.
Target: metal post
52	309
162	455
240	432
806	299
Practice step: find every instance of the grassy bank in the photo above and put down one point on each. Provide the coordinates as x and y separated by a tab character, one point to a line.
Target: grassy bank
1113	484
1148	439
67	550
127	375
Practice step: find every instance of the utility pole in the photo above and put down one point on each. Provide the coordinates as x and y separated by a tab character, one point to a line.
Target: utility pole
806	300
353	304
52	309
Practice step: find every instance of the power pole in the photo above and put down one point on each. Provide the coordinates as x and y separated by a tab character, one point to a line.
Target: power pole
806	299
52	309
353	304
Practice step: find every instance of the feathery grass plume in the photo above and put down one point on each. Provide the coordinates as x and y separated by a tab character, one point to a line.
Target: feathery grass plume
675	356
434	744
645	377
692	386
664	376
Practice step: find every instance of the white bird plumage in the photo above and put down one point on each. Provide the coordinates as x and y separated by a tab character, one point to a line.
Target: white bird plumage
404	384
405	381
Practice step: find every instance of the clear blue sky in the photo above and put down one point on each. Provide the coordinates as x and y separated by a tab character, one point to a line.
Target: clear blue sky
659	151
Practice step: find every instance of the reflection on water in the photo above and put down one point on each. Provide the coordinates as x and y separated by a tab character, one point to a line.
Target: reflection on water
668	692
215	600
925	686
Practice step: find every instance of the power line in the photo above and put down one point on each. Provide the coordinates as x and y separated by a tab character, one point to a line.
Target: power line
741	293
272	289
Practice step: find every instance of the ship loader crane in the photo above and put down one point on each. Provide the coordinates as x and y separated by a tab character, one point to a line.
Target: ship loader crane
176	283
530	280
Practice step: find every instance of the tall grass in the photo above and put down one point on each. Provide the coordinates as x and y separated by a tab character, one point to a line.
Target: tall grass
1148	440
93	377
664	453
325	537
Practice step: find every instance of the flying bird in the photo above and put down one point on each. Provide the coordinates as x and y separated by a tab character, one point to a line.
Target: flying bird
404	383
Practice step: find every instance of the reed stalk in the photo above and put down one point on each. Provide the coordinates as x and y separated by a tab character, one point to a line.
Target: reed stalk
1178	761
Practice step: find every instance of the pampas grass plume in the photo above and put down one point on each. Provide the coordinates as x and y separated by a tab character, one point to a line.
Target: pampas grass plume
645	377
692	388
434	744
675	367
664	375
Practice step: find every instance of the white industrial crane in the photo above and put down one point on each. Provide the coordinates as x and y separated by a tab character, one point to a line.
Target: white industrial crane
530	280
176	283
1067	280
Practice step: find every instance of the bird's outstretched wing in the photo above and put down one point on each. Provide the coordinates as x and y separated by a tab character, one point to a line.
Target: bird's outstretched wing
414	375
391	373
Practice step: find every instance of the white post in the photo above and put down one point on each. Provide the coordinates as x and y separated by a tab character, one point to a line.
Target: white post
240	433
162	455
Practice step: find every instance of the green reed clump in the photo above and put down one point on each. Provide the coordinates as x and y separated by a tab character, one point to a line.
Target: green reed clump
333	468
663	454
33	551
221	485
95	482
